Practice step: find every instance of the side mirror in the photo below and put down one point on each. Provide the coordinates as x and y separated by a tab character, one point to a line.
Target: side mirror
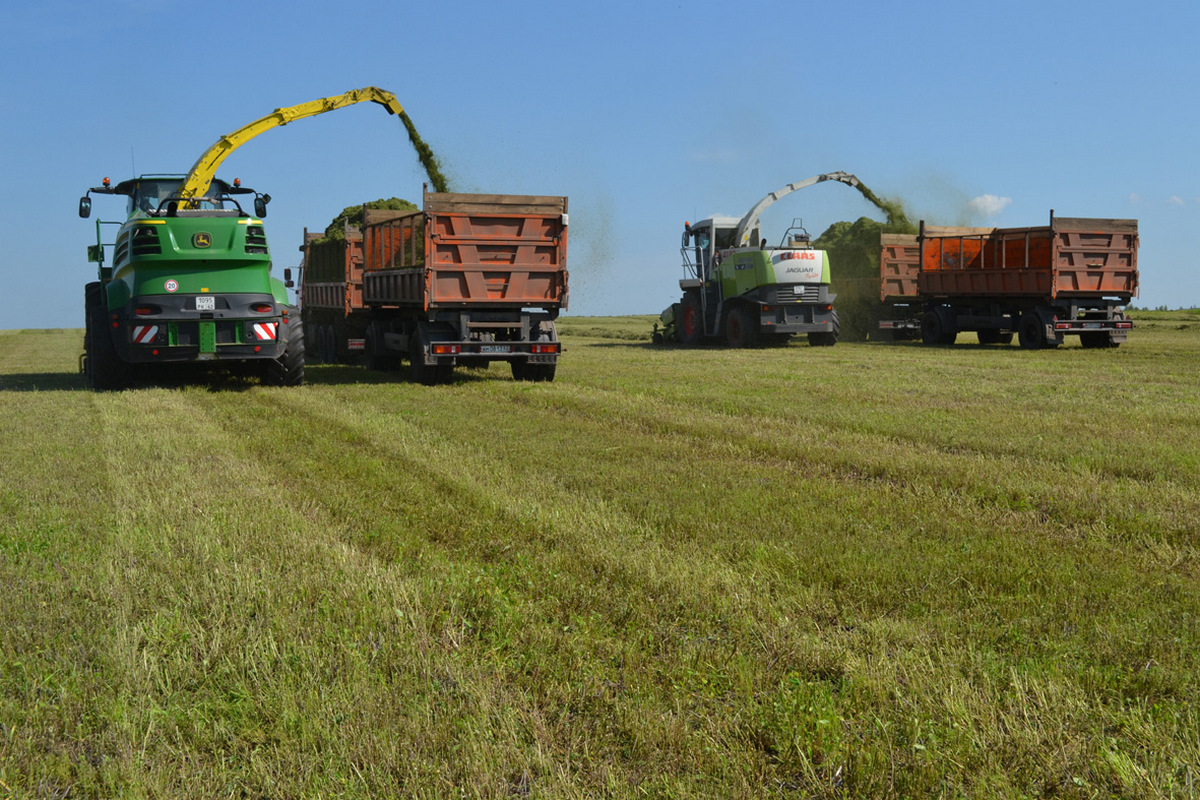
260	207
85	207
95	254
686	236
287	278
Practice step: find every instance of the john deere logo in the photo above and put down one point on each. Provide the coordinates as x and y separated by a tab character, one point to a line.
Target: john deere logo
202	240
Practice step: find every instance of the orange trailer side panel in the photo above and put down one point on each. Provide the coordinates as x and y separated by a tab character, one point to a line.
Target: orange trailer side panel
1070	257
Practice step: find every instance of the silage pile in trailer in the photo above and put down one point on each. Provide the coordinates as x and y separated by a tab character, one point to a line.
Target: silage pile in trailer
854	252
352	216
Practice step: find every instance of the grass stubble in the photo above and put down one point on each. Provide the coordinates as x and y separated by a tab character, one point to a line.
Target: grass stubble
861	571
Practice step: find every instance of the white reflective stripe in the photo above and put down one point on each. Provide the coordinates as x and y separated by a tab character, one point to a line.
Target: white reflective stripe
144	333
265	331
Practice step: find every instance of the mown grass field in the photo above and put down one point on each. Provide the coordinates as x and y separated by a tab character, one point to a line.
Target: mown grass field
860	571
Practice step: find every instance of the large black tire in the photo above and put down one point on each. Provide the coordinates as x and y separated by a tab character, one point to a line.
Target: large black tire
312	343
524	371
691	319
331	344
990	336
521	370
1031	332
741	330
931	328
826	338
1100	340
935	331
375	354
1103	340
288	369
419	371
103	368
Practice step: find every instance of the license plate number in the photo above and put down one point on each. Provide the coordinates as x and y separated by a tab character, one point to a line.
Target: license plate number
494	348
206	304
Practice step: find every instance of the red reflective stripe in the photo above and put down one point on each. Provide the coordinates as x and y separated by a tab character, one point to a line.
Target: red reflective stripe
144	333
265	331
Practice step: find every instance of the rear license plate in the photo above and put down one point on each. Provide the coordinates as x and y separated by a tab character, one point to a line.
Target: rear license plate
206	304
495	348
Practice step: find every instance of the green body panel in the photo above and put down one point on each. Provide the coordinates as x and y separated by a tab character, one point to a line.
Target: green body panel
279	291
222	267
742	272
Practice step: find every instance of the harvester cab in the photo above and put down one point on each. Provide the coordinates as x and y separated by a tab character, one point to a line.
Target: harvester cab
160	196
737	288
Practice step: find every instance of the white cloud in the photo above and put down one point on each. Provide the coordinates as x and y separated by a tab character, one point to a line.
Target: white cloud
1175	200
1135	198
989	204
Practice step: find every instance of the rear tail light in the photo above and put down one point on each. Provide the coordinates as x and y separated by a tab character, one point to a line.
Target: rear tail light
147	311
446	349
544	349
262	308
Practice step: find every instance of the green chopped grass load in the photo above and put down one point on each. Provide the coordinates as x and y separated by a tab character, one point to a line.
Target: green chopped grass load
352	216
853	249
428	160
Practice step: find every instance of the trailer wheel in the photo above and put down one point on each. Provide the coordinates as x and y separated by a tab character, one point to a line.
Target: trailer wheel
310	342
331	344
419	371
102	367
691	319
935	331
288	369
1092	340
375	354
314	337
1031	333
740	330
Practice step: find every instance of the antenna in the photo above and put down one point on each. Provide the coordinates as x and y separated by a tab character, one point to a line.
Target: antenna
132	163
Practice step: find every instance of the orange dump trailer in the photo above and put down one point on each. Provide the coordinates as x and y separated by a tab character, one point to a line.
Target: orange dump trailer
468	279
1071	277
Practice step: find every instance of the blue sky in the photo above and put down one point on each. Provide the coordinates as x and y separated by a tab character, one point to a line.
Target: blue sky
645	114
